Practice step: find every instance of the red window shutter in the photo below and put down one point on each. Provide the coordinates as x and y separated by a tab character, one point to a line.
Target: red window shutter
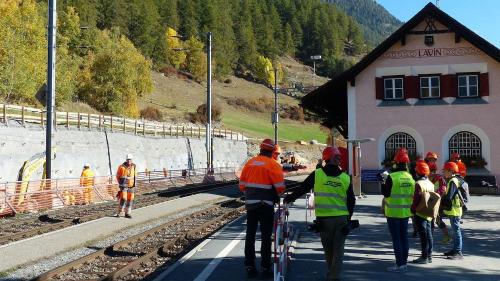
484	85
449	86
379	88
411	87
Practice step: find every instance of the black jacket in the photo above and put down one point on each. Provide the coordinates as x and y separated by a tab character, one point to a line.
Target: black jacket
308	184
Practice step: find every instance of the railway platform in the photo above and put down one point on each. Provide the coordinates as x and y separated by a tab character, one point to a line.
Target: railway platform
368	250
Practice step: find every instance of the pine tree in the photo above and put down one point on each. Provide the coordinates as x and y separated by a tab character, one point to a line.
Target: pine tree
168	13
288	42
188	18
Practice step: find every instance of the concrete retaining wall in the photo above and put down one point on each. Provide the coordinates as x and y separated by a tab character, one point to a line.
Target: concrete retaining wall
74	148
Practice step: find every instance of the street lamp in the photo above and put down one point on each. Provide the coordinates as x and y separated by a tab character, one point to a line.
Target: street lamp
314	59
51	85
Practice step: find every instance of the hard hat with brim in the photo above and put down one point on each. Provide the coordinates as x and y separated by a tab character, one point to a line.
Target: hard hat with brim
129	157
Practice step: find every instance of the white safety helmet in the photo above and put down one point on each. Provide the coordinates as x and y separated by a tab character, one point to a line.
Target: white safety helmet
86	165
129	157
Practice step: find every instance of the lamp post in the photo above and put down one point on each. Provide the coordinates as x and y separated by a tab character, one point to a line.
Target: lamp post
275	114
314	59
51	85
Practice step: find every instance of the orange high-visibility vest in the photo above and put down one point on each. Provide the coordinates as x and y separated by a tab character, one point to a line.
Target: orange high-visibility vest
261	180
126	175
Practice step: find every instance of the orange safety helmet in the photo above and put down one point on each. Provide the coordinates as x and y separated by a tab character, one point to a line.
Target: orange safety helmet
451	166
329	152
432	167
422	168
455	156
402	156
267	145
431	155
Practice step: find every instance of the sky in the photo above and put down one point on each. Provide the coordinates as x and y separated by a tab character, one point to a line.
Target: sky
481	16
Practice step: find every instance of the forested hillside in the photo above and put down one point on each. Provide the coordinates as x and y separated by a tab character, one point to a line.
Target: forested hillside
107	48
376	21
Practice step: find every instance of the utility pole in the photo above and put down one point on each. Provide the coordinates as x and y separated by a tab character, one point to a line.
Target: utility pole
314	58
210	156
276	114
51	85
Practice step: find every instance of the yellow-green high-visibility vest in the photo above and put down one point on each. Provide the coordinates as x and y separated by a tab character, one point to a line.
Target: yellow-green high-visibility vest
330	194
399	203
456	209
426	186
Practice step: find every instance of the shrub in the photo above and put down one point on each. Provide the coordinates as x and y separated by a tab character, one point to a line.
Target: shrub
200	116
151	113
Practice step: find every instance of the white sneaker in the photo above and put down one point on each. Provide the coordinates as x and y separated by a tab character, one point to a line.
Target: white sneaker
395	268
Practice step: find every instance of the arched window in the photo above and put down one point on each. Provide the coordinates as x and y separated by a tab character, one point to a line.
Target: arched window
398	140
467	144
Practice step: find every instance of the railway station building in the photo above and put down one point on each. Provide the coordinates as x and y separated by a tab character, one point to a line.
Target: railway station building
433	85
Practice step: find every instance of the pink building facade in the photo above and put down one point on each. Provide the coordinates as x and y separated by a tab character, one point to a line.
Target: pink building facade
433	85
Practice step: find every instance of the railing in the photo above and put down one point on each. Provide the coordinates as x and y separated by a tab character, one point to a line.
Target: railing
41	195
28	115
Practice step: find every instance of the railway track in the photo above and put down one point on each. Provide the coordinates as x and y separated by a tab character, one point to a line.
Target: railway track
23	228
142	255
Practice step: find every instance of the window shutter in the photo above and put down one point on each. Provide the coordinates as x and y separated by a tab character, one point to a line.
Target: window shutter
484	85
411	87
449	86
379	88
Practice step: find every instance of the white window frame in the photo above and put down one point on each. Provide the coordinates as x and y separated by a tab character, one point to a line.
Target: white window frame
467	86
430	87
393	88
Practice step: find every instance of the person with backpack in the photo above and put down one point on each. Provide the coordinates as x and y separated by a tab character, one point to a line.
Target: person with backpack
423	221
452	208
440	188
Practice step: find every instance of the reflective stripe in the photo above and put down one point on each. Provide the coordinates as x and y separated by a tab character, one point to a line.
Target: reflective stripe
398	206
279	184
251	201
326	194
257	163
258	185
243	183
326	206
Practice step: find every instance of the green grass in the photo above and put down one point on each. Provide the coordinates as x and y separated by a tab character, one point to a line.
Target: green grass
258	126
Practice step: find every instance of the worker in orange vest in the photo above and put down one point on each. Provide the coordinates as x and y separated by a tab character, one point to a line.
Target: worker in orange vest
287	167
262	182
126	176
87	182
462	169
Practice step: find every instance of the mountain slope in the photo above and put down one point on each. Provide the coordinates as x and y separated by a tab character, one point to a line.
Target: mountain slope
376	21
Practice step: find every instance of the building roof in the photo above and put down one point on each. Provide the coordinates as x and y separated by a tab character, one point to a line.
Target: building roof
330	100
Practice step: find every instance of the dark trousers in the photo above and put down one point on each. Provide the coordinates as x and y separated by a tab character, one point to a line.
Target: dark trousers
333	241
264	215
399	232
424	229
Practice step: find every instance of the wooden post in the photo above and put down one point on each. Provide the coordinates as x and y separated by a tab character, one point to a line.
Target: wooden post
225	133
199	132
164	133
41	119
135	127
67	120
124	125
78	126
191	131
237	136
99	121
170	130
176	131
183	132
55	119
154	130
111	123
88	121
143	127
22	115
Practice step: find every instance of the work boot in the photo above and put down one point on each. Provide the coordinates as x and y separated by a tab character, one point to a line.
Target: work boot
420	260
429	260
400	269
456	256
450	253
251	271
128	216
266	273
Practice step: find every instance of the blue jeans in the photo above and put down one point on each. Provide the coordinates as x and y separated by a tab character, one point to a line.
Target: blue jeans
425	234
457	233
399	232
